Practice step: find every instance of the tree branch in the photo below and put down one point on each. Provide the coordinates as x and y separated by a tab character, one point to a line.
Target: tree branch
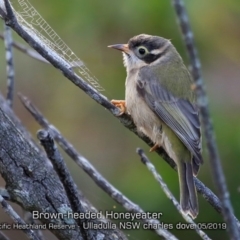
10	66
28	51
29	219
29	182
65	177
4	193
33	185
17	220
16	121
3	236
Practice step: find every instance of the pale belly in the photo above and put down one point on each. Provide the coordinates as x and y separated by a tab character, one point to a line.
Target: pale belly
143	117
146	120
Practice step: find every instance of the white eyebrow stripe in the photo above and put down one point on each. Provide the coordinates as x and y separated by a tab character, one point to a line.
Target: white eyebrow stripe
160	50
156	51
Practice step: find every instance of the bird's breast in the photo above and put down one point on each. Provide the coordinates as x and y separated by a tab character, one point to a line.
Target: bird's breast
143	117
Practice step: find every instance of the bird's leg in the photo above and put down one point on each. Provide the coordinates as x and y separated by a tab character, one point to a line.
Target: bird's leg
155	146
121	104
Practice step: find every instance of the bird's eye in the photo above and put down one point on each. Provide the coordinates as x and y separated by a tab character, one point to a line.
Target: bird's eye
142	51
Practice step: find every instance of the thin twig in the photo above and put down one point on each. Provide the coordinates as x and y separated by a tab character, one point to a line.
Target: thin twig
17	220
29	219
91	171
65	177
10	66
217	171
30	52
5	194
3	11
3	236
9	12
145	160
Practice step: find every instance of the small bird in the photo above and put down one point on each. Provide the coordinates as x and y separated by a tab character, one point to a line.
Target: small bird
159	96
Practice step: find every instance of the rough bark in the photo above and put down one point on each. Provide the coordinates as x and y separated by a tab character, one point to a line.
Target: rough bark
35	185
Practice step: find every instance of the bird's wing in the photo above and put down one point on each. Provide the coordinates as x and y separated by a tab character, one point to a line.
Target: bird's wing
185	120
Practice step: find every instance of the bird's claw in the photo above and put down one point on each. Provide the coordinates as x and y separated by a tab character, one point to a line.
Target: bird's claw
121	105
155	146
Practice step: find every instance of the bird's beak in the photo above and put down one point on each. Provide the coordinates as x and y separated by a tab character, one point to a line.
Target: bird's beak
121	47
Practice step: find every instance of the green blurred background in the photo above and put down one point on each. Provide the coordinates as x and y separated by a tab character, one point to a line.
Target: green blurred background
88	27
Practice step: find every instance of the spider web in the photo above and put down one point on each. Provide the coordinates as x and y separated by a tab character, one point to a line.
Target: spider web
39	29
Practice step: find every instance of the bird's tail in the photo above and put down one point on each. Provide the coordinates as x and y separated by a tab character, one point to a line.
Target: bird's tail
188	194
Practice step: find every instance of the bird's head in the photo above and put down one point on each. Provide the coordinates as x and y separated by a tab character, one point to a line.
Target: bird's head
143	50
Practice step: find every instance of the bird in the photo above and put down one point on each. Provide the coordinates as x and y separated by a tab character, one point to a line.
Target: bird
160	97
